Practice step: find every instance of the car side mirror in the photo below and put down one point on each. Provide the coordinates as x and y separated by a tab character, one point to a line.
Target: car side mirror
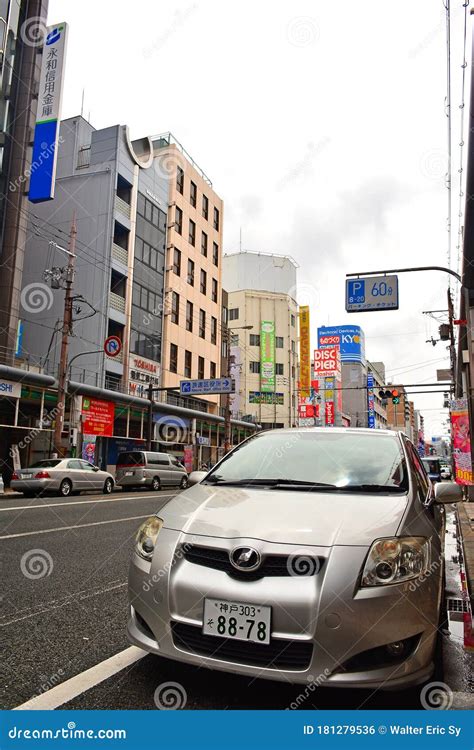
96	468
196	476
448	492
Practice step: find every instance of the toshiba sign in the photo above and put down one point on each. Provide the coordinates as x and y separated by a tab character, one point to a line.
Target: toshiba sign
327	361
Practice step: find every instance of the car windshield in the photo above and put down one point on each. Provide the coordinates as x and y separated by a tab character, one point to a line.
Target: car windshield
326	460
432	467
46	464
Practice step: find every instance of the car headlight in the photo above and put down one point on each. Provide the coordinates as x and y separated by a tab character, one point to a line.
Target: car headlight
396	560
146	537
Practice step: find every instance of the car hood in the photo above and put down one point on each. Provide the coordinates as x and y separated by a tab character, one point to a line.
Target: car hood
285	516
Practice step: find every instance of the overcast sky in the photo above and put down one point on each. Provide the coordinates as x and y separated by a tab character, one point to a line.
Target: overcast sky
322	126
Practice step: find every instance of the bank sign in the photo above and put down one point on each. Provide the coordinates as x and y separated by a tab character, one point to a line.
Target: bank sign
349	339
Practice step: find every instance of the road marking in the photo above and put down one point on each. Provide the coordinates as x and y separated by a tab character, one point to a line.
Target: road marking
86	502
66	691
64	602
68	528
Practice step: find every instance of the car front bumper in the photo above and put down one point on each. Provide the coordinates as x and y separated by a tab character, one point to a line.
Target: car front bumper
328	612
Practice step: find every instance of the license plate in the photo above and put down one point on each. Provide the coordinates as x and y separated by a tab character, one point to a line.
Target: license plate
129	473
237	620
26	476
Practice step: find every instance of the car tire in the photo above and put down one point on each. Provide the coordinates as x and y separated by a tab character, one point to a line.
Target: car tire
108	486
29	494
184	483
155	484
65	488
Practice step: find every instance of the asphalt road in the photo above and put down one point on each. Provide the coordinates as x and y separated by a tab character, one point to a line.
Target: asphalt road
58	625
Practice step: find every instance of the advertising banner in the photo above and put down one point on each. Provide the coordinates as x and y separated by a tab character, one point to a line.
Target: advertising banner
327	362
43	163
350	339
88	448
97	417
370	401
267	355
461	441
305	364
188	458
329	405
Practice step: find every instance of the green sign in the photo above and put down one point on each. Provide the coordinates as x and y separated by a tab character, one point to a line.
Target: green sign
267	355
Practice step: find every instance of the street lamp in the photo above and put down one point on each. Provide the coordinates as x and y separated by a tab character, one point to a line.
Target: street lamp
227	410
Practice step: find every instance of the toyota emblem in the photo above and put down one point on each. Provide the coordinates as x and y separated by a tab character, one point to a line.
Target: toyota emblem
245	558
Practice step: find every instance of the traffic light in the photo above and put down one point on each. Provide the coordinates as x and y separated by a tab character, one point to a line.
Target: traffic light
394	395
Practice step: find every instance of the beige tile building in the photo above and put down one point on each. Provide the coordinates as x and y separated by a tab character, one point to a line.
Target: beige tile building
192	289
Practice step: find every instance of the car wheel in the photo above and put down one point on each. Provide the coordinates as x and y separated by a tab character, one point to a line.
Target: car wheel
29	494
156	484
184	483
65	488
108	486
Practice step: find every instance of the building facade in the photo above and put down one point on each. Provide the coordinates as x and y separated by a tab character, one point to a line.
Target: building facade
377	370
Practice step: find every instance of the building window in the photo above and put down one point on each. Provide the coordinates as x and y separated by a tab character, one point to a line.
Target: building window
278	342
173	358
204	244
213	330
201	368
214	290
190	278
175	308
205	206
293	373
254	339
178	220
234	339
180	180
192	232
188	359
193	194
212	371
203	285
216	219
234	313
278	368
215	253
254	367
293	320
189	316
177	262
224	348
202	324
293	346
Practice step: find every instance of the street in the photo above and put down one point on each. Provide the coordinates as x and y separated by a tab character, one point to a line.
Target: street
67	613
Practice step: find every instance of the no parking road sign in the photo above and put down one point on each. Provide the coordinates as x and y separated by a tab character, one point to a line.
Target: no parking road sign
112	346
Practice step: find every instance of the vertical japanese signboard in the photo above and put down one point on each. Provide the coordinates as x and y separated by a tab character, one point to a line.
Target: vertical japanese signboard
43	164
305	364
370	401
461	441
267	355
329	405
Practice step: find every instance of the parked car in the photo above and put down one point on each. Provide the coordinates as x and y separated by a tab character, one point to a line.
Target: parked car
302	552
2	485
433	468
64	476
150	469
446	472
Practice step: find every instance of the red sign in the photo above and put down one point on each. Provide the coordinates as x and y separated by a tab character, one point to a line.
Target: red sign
112	346
329	408
327	361
188	458
330	341
97	417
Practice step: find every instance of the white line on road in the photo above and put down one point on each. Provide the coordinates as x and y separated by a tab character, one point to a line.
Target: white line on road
77	685
68	528
87	502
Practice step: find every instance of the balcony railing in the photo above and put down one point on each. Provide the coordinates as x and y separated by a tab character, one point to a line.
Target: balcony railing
122	206
119	254
116	302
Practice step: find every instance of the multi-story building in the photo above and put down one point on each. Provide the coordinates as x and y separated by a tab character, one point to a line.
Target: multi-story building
263	337
20	60
351	342
193	288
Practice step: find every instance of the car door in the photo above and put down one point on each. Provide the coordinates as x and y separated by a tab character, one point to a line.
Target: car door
93	480
178	470
165	471
75	474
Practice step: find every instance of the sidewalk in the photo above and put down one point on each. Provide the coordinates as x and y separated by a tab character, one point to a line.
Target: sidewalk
465	513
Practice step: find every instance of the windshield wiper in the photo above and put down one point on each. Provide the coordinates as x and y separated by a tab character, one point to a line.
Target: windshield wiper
372	488
274	483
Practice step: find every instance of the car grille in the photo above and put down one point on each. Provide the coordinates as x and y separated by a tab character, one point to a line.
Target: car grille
278	654
272	565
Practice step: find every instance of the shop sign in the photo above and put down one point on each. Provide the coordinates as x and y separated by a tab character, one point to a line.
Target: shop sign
97	417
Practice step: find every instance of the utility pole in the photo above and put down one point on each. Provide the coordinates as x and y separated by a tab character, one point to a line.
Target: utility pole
227	409
66	332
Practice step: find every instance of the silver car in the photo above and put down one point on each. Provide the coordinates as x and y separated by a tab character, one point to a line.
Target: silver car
150	469
305	554
61	476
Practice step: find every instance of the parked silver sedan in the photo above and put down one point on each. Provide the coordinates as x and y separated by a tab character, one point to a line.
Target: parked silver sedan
303	555
64	476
